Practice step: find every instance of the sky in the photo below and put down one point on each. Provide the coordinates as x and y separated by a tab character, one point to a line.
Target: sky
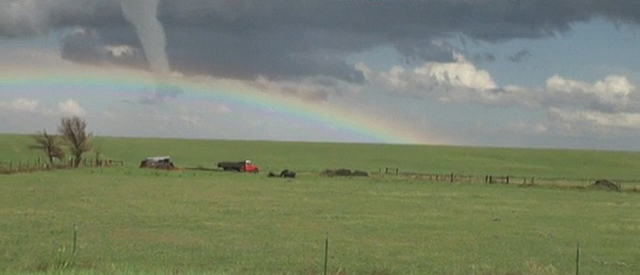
535	73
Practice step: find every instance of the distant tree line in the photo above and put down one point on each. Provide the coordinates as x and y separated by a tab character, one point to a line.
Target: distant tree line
72	134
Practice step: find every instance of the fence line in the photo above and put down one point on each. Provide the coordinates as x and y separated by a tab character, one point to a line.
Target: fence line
498	179
32	165
40	164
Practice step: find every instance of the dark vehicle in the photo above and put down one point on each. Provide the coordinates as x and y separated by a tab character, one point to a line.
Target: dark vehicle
240	166
157	162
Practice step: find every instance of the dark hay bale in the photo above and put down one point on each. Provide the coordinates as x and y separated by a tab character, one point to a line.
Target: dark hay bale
607	184
271	175
287	174
344	173
337	172
327	173
285	171
358	173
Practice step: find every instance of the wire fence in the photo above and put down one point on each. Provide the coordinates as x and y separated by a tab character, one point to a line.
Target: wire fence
39	164
507	179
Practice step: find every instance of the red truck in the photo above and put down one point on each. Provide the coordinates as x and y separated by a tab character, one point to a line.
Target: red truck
240	166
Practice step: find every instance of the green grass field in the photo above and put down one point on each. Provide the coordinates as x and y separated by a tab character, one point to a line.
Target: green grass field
370	157
133	221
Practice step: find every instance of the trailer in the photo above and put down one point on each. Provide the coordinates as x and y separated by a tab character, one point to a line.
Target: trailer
239	166
157	162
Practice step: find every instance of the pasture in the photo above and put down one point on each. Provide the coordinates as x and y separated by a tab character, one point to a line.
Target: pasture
314	157
133	221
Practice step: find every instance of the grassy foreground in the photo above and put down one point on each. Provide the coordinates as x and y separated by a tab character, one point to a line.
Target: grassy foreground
138	221
133	221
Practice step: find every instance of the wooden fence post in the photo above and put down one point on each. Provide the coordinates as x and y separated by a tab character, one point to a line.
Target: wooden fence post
451	177
326	253
75	238
578	259
507	179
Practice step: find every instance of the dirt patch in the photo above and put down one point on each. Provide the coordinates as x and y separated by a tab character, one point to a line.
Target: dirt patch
343	173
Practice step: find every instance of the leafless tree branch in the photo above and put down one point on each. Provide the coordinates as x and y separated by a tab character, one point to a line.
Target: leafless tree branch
73	131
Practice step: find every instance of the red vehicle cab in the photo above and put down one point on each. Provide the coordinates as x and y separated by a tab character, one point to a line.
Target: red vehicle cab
240	166
248	167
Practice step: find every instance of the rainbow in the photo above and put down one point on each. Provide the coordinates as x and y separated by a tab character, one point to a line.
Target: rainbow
352	126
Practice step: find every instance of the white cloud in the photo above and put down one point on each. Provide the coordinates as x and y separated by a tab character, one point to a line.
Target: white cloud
612	86
462	81
315	89
612	93
394	78
572	106
579	120
461	73
21	105
119	51
601	107
71	107
366	72
458	81
68	107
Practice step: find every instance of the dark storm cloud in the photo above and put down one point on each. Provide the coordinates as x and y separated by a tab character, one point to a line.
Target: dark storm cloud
82	46
31	17
86	46
271	54
417	52
282	39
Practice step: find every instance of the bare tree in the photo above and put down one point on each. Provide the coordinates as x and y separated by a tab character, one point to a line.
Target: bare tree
48	144
74	132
